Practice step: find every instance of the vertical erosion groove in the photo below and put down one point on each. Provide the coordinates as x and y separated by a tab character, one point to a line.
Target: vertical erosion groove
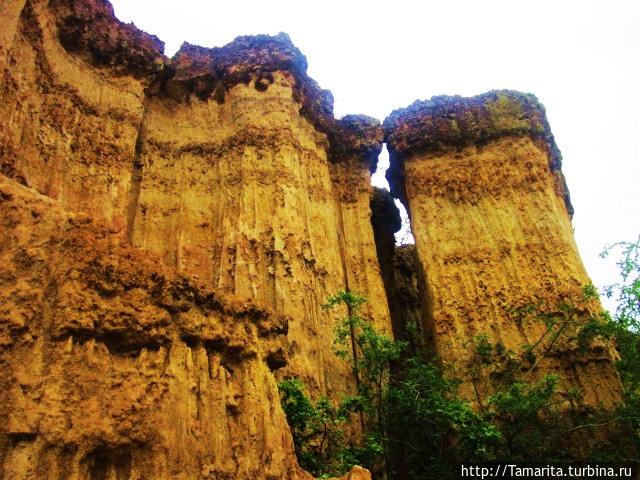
404	281
136	175
345	272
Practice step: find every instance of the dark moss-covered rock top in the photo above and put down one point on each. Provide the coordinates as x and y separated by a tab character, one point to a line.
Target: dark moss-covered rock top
89	29
428	126
210	72
445	121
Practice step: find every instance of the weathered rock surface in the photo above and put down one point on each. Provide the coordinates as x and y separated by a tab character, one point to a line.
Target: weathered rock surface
490	214
171	228
114	366
226	163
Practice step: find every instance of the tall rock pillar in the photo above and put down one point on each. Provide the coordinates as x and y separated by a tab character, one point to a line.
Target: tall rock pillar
241	182
491	217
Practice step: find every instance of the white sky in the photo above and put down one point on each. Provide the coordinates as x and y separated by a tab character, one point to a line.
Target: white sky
581	58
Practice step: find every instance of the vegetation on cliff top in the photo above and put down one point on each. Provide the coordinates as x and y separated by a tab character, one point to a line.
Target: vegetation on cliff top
407	420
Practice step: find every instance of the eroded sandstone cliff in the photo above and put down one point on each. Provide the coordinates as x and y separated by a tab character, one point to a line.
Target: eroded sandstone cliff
115	365
171	228
226	163
491	217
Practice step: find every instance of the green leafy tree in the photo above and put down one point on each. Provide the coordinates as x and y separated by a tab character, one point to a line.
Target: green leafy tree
415	422
624	328
317	429
412	422
529	421
369	353
535	415
430	426
625	324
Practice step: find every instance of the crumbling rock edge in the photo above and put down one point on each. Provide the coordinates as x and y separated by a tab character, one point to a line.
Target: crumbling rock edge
430	126
90	29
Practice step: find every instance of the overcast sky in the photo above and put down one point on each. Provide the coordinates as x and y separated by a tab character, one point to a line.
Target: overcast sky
581	58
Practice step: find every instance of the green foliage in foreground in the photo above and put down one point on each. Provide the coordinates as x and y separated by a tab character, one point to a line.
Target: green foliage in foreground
316	428
410	422
430	426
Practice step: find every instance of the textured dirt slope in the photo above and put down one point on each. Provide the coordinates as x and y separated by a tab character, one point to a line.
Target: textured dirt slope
491	218
114	365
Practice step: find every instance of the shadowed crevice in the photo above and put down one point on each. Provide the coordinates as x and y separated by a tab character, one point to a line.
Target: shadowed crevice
137	170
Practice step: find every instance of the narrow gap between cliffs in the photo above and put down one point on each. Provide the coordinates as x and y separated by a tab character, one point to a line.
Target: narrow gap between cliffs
404	236
408	295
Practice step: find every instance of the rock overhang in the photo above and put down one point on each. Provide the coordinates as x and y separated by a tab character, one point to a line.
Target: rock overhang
430	125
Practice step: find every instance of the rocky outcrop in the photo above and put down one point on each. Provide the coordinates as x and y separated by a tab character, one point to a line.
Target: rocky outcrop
170	230
490	214
229	166
113	364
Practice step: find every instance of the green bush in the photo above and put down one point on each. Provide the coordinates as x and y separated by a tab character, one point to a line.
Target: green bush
317	430
430	426
410	421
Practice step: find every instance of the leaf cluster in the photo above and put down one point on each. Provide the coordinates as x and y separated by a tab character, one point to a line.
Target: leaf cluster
318	429
409	421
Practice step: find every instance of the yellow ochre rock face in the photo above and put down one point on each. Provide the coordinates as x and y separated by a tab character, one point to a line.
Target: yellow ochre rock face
114	366
132	186
491	219
171	228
